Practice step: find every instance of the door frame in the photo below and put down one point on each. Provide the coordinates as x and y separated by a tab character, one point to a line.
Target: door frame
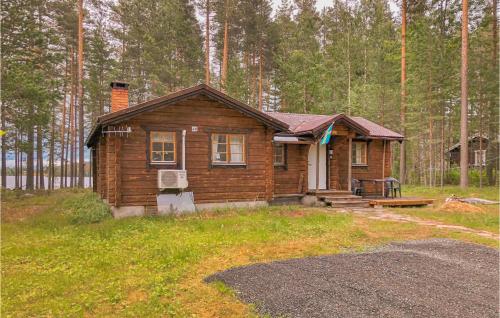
327	165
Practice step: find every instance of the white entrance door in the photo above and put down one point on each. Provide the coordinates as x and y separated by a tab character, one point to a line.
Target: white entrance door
311	163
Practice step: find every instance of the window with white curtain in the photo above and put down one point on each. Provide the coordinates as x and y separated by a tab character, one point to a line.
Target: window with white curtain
228	149
359	153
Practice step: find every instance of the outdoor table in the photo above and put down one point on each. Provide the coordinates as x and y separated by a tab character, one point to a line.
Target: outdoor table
376	182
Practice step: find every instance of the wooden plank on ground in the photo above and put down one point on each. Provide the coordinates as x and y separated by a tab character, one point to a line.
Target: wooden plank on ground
402	202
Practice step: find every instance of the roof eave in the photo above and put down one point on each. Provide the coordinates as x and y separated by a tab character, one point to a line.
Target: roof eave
387	138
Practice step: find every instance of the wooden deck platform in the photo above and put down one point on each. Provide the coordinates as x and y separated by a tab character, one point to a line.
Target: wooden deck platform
401	202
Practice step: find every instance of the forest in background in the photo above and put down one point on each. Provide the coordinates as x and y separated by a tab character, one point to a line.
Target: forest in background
58	58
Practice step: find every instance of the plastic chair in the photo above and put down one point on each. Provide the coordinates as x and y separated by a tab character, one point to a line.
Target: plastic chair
392	186
356	187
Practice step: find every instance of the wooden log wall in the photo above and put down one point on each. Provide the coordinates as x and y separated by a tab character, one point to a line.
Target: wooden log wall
132	181
102	170
292	178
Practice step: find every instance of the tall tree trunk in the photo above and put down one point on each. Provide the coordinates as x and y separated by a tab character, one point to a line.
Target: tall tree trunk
365	73
449	140
39	157
30	160
492	149
207	43
21	167
37	170
66	155
4	147
260	80
72	130
442	147
52	150
81	132
74	168
431	128
225	51
481	162
253	79
402	151
16	161
268	92
63	127
349	69
464	146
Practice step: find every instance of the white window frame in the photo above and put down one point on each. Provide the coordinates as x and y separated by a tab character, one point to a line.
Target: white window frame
478	156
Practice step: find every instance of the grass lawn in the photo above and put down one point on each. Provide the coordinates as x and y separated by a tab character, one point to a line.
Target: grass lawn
63	256
487	218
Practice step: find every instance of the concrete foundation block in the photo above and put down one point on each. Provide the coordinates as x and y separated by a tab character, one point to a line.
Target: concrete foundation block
310	200
127	211
224	205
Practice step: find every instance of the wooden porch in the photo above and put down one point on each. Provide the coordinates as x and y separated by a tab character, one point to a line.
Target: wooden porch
345	199
340	199
400	202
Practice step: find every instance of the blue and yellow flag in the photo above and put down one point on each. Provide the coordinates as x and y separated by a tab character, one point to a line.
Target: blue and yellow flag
326	137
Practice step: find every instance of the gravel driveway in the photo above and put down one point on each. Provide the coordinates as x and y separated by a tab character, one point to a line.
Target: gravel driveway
431	278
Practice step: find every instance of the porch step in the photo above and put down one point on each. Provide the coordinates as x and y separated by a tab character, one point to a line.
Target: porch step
330	193
350	197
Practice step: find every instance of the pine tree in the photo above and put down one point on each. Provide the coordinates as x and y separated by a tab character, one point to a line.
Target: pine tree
464	138
402	150
81	109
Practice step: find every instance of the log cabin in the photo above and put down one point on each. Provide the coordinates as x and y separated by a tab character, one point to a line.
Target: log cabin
223	152
477	147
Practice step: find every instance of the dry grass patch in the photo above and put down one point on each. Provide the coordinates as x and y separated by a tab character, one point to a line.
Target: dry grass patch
457	206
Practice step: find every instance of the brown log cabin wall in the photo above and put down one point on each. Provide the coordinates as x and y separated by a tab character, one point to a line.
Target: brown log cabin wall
131	181
292	178
102	171
112	170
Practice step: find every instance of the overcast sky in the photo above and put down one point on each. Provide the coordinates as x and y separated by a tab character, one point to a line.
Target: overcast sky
320	4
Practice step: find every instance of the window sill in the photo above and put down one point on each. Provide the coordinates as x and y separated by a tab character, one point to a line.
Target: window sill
162	165
165	163
228	165
361	165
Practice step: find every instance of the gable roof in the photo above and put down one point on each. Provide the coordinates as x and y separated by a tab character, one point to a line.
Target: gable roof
302	124
201	89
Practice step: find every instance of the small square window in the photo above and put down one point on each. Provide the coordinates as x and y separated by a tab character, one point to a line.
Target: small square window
162	147
228	149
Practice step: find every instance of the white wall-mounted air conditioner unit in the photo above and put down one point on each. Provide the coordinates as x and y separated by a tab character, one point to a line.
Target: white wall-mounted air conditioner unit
172	179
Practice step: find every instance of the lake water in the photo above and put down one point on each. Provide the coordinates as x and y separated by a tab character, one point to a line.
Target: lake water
11	182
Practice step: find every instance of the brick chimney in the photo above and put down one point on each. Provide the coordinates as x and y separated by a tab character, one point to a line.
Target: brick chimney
119	96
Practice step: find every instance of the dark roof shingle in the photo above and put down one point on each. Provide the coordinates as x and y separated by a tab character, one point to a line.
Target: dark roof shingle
299	123
377	130
304	123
